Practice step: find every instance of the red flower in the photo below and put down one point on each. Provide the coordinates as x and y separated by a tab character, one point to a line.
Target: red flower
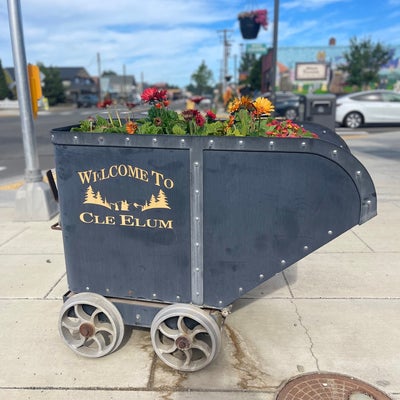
200	121
210	115
152	95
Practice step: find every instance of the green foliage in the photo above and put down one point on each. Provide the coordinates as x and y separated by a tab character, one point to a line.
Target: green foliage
53	87
202	79
251	67
109	73
363	61
5	92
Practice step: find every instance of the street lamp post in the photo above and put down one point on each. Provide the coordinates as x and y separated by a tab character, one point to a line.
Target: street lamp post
274	50
34	200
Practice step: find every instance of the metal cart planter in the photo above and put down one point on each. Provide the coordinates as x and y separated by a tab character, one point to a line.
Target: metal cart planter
168	231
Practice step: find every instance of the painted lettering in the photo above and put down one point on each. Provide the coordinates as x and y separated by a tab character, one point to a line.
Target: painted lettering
90	218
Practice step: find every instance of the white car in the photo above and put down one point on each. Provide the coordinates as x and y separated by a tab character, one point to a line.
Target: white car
372	106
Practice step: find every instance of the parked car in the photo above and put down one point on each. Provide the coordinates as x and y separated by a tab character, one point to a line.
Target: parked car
87	100
286	104
372	106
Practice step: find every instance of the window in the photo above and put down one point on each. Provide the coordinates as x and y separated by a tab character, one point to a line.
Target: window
368	97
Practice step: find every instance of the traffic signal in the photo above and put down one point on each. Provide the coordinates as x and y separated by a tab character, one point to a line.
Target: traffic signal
35	87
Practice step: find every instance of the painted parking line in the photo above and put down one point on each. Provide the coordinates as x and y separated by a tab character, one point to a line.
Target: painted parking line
17	184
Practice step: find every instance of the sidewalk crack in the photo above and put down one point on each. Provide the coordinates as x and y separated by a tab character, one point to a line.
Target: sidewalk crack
300	319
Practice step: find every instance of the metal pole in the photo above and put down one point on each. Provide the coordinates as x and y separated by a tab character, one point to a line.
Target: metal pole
34	201
32	171
274	49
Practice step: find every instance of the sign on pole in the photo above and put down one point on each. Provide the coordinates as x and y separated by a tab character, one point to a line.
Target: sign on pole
256	48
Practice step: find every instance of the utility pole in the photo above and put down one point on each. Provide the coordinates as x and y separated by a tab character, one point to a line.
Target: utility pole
227	45
99	73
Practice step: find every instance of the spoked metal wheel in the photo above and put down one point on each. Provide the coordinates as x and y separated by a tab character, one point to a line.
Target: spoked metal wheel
91	325
185	337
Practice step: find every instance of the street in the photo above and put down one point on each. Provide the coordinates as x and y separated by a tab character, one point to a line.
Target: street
12	162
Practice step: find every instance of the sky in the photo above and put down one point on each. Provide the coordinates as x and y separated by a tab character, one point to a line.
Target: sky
167	40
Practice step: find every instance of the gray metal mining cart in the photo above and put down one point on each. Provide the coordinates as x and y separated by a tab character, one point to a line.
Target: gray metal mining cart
167	231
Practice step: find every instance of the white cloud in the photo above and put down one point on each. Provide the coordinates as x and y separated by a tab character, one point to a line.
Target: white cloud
168	39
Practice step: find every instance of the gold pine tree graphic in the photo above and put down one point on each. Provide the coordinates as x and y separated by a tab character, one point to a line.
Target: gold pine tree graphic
160	201
92	198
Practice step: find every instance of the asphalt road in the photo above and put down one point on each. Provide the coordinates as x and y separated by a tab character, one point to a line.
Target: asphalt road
12	160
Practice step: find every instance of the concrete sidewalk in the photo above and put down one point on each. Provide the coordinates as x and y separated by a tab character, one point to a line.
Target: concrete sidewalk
337	310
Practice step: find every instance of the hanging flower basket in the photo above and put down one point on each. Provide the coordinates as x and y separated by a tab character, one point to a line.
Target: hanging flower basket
249	28
251	21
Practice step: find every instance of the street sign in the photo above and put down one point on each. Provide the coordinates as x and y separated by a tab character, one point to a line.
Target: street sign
256	48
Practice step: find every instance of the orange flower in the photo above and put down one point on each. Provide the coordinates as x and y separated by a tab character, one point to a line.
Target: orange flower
131	127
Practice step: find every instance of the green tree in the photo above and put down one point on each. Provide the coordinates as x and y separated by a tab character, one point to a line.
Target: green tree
247	63
202	79
53	88
363	61
109	73
5	92
255	74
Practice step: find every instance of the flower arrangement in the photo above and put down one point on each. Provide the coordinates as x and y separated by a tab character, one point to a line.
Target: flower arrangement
259	16
247	117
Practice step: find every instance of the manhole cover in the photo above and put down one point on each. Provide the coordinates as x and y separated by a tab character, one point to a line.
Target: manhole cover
329	386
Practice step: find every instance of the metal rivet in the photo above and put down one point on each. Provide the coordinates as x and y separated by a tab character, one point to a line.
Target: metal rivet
87	288
197	219
241	142
196	164
283	262
75	137
330	232
127	140
211	142
154	295
182	141
303	144
369	202
178	298
108	290
240	290
197	191
138	317
261	276
197	294
358	173
334	152
197	269
220	302
305	248
154	140
197	244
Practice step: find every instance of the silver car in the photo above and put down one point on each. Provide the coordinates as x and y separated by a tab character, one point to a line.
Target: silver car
368	107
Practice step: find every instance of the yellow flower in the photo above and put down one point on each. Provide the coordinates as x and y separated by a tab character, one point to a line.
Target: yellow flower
246	103
234	105
263	106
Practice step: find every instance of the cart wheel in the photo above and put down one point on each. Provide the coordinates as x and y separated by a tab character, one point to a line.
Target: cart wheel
91	325
185	337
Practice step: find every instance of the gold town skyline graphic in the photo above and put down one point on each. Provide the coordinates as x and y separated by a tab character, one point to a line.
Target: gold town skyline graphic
159	201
